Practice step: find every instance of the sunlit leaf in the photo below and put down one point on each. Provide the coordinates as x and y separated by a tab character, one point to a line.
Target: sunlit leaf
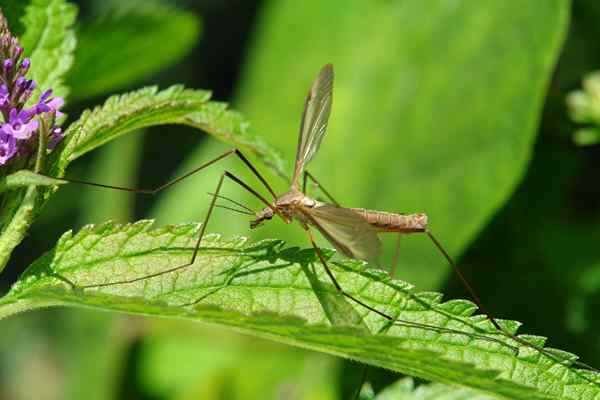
148	107
268	291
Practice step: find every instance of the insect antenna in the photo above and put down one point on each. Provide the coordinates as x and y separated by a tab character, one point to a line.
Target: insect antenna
233	209
245	210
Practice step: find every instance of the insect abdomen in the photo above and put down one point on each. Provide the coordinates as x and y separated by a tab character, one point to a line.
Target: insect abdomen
393	222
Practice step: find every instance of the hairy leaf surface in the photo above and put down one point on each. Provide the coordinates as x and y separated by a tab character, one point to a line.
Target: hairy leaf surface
283	294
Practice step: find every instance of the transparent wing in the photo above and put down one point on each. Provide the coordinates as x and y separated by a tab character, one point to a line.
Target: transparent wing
346	230
314	119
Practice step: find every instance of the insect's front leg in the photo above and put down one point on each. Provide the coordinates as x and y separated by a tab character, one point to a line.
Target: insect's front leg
215	195
178	179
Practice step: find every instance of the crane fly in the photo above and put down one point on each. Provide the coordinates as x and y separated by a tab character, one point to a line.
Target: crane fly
352	231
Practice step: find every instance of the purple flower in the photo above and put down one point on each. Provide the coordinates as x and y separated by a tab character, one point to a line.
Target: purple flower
8	147
25	65
47	104
20	125
4	96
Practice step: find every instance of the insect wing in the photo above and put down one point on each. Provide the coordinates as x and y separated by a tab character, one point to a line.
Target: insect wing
347	231
314	119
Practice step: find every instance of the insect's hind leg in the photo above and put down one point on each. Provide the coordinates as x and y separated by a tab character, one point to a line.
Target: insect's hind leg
215	195
489	316
392	320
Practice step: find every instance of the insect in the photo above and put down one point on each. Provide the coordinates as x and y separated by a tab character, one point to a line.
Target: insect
352	231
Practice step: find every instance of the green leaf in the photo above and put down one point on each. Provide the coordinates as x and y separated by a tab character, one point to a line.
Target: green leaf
262	289
49	41
24	178
435	106
405	389
20	208
129	43
149	107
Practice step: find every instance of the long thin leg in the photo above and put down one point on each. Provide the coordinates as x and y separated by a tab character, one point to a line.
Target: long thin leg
225	174
489	316
172	182
394	321
308	175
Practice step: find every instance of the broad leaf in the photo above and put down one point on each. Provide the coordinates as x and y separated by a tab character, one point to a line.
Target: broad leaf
49	41
149	107
129	43
435	105
283	294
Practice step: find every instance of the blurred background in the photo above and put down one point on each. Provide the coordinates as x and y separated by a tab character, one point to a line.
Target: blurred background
456	109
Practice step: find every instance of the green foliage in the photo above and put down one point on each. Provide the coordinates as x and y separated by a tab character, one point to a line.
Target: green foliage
49	41
435	107
24	178
405	389
584	108
268	291
126	113
125	45
147	107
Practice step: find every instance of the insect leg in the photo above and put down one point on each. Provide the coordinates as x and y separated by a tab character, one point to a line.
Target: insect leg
479	304
395	321
225	174
172	182
335	282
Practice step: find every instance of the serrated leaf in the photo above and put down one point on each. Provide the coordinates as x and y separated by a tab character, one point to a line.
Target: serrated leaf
49	41
149	107
148	35
262	289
